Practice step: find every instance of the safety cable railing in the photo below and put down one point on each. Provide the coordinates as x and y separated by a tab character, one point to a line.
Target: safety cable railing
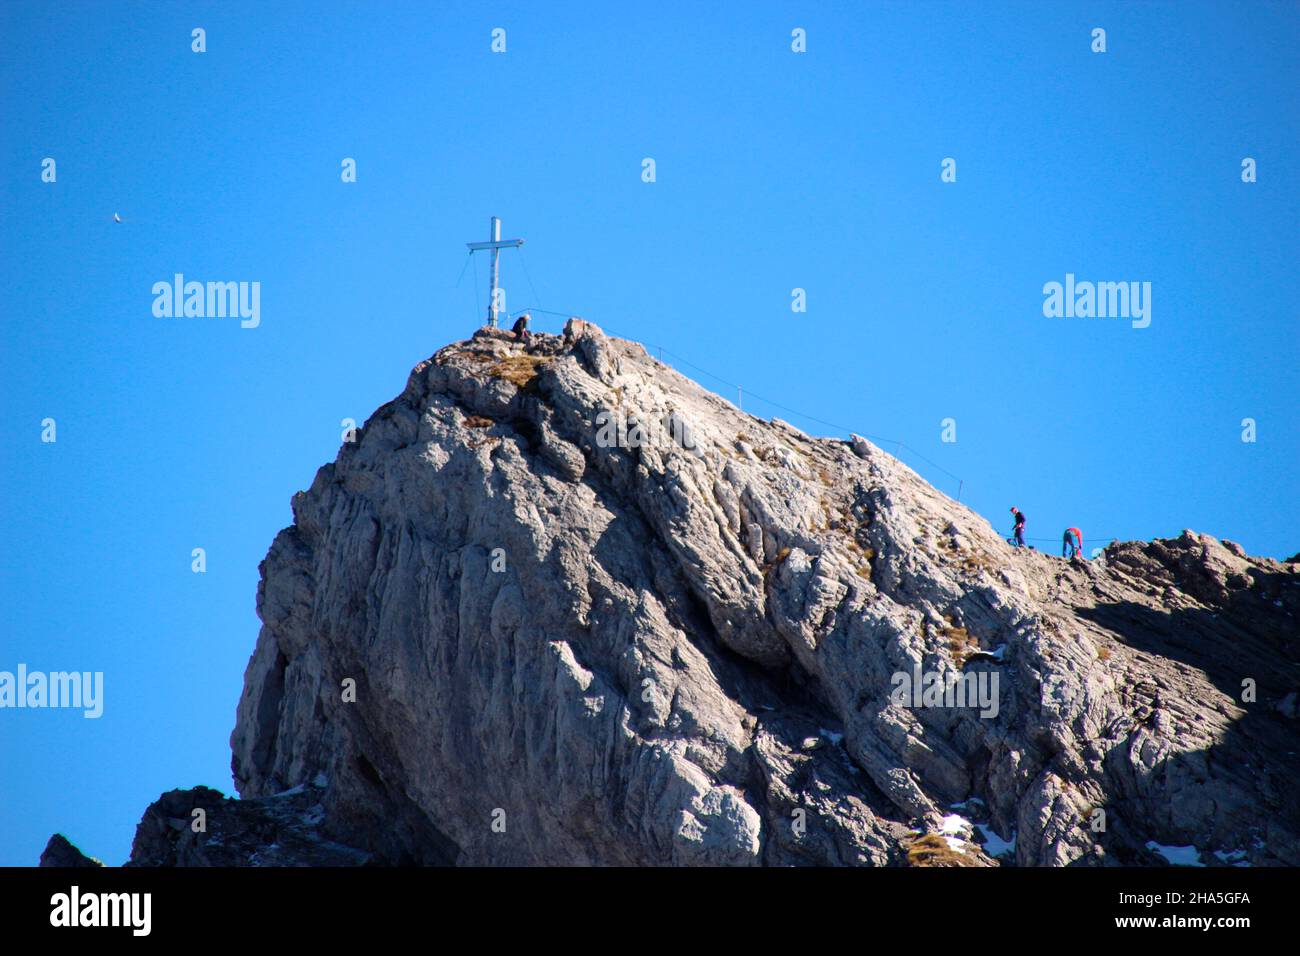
899	445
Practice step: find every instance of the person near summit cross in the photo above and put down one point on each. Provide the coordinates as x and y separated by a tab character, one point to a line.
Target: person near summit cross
1072	543
1019	530
521	328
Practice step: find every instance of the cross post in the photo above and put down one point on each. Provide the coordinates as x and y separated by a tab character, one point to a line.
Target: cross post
495	243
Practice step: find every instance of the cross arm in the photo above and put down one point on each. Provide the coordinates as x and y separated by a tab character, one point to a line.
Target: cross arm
499	244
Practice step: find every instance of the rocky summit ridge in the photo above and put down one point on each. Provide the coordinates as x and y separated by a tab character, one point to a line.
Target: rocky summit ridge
558	604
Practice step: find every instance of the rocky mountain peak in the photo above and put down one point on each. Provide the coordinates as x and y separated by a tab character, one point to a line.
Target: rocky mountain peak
558	604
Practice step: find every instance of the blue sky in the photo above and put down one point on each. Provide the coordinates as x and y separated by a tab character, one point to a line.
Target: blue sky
774	170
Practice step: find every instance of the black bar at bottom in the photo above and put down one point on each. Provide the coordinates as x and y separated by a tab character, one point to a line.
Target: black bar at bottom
332	905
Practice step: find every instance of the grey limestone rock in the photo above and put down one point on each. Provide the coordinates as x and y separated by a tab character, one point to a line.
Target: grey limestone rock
501	630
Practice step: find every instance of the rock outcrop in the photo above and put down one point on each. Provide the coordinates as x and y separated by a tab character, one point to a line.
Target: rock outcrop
202	827
557	604
59	852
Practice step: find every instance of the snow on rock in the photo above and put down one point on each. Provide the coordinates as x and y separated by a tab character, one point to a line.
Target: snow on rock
1176	855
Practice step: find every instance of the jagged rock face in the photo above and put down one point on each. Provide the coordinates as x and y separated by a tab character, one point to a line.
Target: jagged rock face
202	827
567	650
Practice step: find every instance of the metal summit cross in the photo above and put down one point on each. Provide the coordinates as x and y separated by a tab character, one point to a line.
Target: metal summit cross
496	244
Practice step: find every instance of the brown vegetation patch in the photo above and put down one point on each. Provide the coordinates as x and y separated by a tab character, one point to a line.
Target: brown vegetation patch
961	645
518	370
933	850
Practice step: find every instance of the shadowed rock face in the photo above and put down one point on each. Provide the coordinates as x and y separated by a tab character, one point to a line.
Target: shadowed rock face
281	830
59	852
563	652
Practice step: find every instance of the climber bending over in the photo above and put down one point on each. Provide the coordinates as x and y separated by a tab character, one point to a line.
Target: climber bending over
1072	544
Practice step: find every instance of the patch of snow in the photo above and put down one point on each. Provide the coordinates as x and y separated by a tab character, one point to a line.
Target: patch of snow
320	780
994	845
950	833
955	825
1232	857
830	735
290	792
1177	855
999	652
967	802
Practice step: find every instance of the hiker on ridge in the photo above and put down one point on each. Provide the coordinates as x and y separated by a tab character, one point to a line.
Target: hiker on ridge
521	328
1019	530
1072	544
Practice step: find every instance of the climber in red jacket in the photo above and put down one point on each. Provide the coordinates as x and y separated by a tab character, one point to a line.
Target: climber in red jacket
1072	544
